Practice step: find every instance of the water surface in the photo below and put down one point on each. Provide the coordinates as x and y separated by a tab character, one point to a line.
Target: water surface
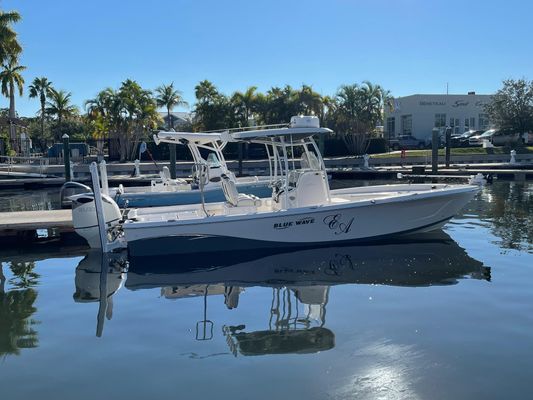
437	316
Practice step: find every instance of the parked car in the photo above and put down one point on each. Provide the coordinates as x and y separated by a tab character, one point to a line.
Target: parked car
477	140
499	138
461	140
406	142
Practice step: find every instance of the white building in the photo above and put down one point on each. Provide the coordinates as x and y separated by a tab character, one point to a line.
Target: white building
418	114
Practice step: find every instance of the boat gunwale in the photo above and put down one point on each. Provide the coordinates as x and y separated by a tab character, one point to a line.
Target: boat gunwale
200	220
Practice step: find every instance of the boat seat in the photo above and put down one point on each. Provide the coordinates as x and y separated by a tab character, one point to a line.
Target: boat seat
236	199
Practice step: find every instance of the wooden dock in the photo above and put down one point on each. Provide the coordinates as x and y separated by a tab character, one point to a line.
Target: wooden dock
17	221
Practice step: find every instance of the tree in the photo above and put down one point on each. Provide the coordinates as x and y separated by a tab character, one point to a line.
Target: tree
309	101
41	135
213	110
9	46
169	98
280	105
10	80
59	106
127	114
357	111
245	104
511	108
41	87
206	92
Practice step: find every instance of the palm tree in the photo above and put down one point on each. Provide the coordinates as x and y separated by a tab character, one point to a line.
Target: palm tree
169	98
247	102
41	87
310	101
127	114
9	78
59	106
205	92
9	45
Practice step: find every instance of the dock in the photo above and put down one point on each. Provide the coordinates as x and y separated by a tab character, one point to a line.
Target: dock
32	226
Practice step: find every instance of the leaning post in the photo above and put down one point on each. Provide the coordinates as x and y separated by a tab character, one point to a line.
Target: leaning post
172	148
435	151
66	156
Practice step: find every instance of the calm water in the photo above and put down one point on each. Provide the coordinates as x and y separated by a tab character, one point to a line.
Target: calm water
441	316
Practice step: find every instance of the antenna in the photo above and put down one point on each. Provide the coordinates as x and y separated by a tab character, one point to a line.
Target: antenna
446	88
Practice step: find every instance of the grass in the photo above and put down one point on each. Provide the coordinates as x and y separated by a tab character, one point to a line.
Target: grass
457	152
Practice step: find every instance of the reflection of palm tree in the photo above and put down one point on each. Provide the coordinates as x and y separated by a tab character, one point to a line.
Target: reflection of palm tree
16	330
16	308
24	276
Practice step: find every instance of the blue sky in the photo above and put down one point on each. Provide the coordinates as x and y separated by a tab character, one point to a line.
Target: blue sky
407	46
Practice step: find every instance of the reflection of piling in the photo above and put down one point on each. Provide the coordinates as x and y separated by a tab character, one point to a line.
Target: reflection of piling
102	307
66	156
435	151
172	148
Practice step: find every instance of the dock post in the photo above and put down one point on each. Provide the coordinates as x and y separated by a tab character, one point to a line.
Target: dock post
513	157
66	157
137	172
435	151
172	148
99	206
448	145
239	146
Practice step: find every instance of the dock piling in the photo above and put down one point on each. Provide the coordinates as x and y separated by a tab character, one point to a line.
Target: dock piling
66	157
172	148
435	151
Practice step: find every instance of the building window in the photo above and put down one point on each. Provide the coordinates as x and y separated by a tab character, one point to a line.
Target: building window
391	126
454	124
470	123
407	124
440	120
483	120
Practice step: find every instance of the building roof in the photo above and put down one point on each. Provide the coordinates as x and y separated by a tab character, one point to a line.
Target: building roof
178	116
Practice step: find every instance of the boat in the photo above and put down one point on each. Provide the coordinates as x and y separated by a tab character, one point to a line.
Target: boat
302	210
165	191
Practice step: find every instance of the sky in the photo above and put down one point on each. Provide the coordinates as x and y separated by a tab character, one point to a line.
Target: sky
406	46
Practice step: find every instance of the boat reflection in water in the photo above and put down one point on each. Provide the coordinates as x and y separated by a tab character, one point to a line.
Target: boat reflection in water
300	283
98	277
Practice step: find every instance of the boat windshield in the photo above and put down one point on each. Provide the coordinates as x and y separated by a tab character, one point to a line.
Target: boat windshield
213	161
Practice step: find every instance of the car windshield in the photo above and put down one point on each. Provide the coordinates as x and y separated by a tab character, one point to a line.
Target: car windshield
468	134
488	133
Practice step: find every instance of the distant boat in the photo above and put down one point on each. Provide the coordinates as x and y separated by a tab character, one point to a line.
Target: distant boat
165	191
